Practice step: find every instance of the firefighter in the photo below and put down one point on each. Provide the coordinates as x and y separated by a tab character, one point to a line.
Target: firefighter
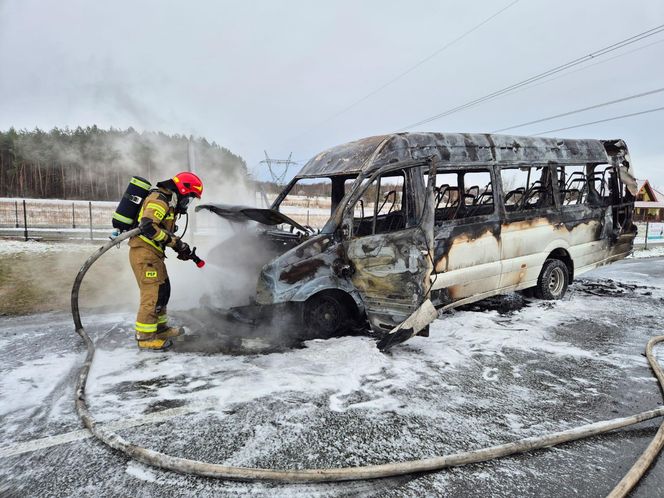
157	218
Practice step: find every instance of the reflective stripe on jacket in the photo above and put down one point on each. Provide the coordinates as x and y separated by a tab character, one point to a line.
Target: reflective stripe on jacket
157	216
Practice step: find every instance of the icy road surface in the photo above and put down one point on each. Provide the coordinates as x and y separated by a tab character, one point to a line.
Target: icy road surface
489	374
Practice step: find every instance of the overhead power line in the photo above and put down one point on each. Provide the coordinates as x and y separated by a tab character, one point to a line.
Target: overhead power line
588	66
411	68
583	109
545	74
647	111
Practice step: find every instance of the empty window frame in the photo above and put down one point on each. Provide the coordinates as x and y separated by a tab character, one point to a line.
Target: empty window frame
589	184
478	193
573	184
605	184
462	194
383	207
526	188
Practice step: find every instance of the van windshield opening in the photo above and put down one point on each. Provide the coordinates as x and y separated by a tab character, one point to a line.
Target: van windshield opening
311	201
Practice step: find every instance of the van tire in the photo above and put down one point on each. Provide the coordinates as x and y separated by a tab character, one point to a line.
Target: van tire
325	315
553	280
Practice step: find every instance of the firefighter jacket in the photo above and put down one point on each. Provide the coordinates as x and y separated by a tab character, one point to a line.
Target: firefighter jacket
157	219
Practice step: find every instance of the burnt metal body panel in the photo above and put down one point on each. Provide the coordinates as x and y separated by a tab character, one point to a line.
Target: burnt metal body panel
391	270
241	214
496	254
461	260
368	154
317	264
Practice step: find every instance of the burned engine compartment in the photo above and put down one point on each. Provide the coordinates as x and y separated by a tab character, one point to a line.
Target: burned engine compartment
279	240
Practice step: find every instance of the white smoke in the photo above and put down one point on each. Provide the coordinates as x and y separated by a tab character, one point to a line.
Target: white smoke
224	281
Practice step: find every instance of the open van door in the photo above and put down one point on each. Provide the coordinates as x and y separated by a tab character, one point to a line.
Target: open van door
388	240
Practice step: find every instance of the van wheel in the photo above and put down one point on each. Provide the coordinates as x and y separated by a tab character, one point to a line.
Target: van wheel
553	280
324	316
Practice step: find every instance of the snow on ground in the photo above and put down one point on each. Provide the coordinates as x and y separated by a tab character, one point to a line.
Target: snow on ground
342	369
8	247
29	384
56	202
484	376
651	252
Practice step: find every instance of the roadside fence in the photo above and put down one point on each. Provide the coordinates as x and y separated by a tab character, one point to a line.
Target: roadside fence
53	219
50	219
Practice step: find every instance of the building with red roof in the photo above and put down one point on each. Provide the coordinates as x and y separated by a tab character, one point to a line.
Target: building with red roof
649	204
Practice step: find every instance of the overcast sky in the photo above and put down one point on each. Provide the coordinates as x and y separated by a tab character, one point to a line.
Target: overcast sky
274	75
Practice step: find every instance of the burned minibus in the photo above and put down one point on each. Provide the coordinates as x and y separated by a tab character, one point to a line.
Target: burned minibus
442	218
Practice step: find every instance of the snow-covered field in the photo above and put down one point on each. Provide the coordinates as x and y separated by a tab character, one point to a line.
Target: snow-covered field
486	375
652	252
56	219
8	247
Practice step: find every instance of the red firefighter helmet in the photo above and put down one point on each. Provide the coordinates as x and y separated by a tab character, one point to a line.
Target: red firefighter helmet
188	183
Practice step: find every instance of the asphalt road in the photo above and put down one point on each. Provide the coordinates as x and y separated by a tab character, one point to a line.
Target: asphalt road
488	374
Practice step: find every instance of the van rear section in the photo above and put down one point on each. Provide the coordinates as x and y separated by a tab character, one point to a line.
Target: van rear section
497	234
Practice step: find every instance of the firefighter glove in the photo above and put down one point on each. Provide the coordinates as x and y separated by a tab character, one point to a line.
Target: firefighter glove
183	250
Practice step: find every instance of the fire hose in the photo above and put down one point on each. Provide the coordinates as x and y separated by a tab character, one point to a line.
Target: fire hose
195	467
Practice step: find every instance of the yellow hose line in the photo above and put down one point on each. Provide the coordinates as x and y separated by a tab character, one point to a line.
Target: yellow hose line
195	467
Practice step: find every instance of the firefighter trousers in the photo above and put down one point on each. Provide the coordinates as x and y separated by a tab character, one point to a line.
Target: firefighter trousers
155	288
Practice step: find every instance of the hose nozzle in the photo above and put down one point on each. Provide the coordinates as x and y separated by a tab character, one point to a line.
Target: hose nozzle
199	262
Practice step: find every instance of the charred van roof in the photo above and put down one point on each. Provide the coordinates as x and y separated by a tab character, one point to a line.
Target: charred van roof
368	154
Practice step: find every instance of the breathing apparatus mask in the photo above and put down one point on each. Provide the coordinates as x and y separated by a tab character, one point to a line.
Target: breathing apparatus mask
183	203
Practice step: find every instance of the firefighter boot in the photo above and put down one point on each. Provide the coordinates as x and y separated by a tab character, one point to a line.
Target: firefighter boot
165	332
154	344
161	333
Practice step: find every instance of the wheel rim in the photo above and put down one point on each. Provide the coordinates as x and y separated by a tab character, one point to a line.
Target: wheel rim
326	315
556	281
